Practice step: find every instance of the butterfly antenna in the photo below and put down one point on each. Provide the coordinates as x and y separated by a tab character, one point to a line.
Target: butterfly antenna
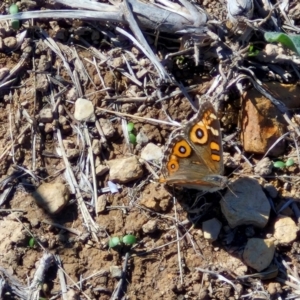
227	185
199	196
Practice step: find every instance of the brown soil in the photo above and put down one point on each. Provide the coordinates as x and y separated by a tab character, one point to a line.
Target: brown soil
162	265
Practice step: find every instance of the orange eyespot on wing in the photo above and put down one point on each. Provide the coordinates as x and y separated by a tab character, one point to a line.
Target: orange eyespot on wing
182	149
173	165
199	134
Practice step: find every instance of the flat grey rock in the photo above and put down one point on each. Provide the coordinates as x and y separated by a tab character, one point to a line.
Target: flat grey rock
245	203
258	253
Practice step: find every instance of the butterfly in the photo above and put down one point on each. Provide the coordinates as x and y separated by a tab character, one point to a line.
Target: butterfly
193	157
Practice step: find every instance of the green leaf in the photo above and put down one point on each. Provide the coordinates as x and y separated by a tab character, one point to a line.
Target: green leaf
114	242
129	239
279	164
31	242
13	9
132	138
289	162
130	126
252	51
291	41
15	24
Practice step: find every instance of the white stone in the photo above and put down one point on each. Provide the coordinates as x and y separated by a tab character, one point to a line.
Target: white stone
211	229
46	115
115	271
71	295
151	152
84	110
126	169
142	138
245	203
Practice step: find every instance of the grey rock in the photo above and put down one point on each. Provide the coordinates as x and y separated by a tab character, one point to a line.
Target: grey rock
271	190
211	229
245	203
151	152
264	167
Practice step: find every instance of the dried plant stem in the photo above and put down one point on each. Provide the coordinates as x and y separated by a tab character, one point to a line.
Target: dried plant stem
89	222
178	242
150	120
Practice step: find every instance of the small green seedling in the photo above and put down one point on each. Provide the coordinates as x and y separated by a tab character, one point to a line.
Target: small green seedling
252	51
289	162
132	138
130	129
281	165
31	242
114	242
13	9
129	239
117	243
